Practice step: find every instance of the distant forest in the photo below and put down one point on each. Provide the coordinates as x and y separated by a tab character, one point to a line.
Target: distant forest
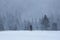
15	24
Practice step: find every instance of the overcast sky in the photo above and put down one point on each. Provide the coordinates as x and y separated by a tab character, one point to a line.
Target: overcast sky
29	9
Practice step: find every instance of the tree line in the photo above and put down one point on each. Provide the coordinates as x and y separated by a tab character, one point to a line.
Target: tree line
14	24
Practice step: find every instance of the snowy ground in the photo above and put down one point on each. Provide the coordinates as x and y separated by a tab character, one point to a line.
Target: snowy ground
30	35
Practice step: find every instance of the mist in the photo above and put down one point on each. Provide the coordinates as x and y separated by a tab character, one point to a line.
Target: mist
28	10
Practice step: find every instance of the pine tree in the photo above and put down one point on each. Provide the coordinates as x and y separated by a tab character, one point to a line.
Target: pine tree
45	23
31	27
1	24
54	26
28	26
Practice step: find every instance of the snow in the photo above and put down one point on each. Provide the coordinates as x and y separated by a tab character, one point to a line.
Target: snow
29	35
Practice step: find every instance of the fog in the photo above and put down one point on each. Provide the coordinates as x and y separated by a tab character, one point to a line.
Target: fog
28	10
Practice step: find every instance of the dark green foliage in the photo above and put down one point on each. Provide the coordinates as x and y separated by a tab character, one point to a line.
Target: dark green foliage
54	26
1	27
45	23
31	27
1	24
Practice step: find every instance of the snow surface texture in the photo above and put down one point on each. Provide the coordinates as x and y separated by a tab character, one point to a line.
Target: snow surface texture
30	35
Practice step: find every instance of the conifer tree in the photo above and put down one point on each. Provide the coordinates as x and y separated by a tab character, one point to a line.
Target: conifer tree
45	23
54	26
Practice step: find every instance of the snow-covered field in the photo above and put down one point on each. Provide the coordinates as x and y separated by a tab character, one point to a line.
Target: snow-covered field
29	35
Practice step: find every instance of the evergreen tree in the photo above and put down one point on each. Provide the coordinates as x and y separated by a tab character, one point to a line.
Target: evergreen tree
54	26
28	26
45	23
31	27
1	24
25	25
